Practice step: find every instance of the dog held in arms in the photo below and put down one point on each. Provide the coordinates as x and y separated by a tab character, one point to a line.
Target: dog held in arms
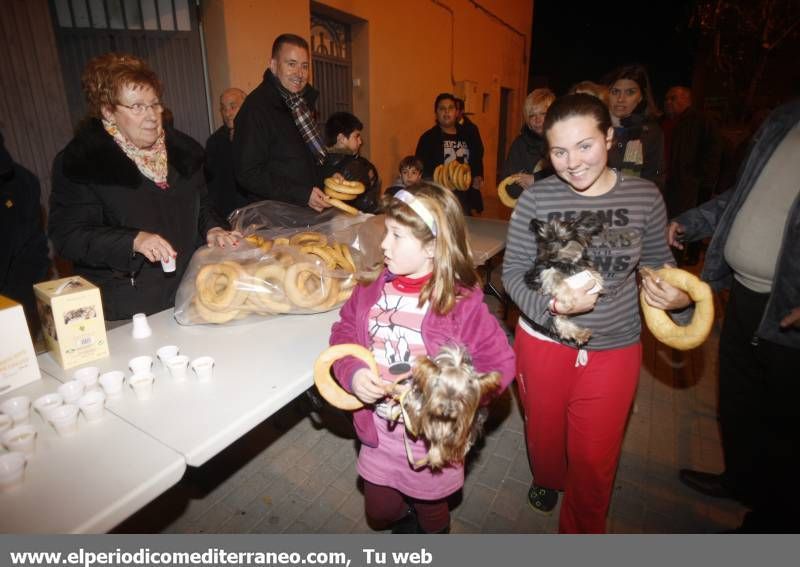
440	402
561	253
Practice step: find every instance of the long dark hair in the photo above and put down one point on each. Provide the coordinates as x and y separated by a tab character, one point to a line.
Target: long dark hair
638	74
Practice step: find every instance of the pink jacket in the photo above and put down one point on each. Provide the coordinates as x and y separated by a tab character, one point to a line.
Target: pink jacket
469	324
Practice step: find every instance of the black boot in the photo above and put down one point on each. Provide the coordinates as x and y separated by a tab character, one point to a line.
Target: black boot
408	524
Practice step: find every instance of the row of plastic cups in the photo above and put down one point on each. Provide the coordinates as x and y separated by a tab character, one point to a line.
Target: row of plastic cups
176	364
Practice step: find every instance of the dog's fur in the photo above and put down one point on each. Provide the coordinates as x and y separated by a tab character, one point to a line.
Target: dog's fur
561	253
443	404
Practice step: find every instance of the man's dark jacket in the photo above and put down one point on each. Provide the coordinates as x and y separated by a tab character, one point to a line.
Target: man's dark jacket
716	217
694	162
270	157
222	187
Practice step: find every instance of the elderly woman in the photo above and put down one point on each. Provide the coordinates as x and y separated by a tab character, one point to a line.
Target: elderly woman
638	147
129	194
527	157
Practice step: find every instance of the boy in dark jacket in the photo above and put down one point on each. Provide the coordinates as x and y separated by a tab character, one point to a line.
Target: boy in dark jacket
343	141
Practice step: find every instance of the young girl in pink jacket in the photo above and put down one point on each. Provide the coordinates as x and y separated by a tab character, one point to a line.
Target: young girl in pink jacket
428	296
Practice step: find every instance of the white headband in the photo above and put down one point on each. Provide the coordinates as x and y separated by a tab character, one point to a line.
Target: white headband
418	208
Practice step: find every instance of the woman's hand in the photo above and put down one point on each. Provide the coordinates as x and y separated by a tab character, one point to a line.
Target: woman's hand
368	387
524	180
218	236
578	300
661	295
153	247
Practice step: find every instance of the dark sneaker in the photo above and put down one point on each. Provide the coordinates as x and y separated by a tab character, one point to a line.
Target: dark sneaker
543	500
408	524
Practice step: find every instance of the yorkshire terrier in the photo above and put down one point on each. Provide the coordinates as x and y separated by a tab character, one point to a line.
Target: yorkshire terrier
561	253
443	404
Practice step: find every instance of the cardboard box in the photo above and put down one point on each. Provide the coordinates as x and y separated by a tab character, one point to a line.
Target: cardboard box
18	364
72	320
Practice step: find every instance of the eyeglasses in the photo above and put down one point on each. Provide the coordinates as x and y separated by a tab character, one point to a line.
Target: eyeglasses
138	109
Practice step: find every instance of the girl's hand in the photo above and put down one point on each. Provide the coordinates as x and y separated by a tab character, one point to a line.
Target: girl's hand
153	247
218	236
368	387
524	180
661	295
578	300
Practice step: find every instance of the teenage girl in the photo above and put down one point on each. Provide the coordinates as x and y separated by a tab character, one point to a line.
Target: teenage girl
576	401
427	296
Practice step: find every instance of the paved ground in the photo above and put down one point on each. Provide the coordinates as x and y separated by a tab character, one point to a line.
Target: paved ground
290	475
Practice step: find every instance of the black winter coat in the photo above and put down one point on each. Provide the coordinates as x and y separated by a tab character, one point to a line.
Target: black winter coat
100	202
23	252
223	191
647	163
270	157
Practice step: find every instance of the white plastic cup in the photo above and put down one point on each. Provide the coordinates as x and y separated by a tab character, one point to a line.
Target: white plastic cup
167	352
93	405
21	439
64	419
12	470
178	367
142	385
141	364
168	265
71	391
112	383
6	423
141	328
203	368
88	376
17	408
47	403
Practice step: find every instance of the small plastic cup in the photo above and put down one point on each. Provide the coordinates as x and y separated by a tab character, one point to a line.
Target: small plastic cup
141	328
167	352
21	438
47	403
141	364
142	385
71	391
12	470
112	383
64	419
178	366
17	408
93	405
168	265
6	423
203	367
88	376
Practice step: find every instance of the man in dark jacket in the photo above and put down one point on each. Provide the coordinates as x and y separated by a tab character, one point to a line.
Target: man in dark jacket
23	253
447	141
693	149
755	250
278	147
220	178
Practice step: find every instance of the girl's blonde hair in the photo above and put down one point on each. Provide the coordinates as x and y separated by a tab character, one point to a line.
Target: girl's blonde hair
452	263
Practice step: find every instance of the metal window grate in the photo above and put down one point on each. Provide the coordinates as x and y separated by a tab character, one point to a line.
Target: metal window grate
330	57
150	15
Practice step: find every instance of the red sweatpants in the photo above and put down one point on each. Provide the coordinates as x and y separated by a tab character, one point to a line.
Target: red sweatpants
574	423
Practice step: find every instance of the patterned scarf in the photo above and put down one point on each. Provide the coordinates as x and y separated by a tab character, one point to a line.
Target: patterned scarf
152	162
303	119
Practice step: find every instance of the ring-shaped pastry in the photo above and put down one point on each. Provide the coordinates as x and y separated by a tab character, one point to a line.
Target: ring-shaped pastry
296	289
217	286
327	385
664	329
272	297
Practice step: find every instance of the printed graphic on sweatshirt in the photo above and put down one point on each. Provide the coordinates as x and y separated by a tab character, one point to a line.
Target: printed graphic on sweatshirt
455	149
394	329
617	248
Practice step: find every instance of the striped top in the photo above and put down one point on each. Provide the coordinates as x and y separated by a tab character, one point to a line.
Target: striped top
634	233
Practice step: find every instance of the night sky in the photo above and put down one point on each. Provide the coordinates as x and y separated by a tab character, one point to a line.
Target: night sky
582	41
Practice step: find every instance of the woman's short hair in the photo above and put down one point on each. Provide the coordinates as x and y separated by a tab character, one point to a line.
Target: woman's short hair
638	74
592	88
106	75
453	268
537	97
579	104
